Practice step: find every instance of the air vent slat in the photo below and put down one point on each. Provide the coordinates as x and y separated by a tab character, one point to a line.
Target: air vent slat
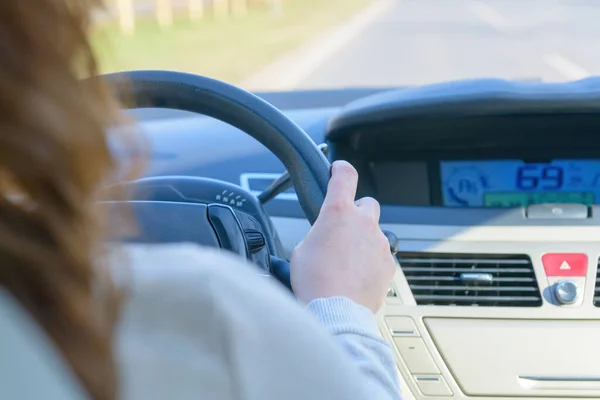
471	280
457	278
470	298
597	290
461	261
417	288
470	269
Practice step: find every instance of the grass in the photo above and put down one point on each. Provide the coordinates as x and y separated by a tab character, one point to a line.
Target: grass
230	50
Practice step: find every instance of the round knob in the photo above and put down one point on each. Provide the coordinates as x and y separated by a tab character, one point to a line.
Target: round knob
566	292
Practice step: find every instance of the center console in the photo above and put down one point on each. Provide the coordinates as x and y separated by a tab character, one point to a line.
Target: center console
494	191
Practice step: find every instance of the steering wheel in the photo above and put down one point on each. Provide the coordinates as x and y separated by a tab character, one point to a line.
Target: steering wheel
216	213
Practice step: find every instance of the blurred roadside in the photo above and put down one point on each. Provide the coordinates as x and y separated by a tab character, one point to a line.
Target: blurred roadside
127	11
225	39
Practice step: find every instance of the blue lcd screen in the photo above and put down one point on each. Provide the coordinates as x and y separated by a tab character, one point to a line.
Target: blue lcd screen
515	183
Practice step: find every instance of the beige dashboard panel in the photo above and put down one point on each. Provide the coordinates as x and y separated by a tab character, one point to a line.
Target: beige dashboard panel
520	358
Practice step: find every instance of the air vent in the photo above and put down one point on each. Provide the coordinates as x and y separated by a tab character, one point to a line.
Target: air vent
471	280
597	289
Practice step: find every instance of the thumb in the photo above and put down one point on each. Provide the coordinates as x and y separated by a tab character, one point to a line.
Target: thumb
342	185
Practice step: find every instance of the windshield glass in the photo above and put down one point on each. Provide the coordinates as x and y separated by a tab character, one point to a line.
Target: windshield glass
272	45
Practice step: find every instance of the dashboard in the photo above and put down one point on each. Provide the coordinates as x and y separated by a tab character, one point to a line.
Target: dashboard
492	187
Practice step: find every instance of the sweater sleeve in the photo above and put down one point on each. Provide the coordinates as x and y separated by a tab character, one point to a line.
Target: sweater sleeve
206	325
285	352
355	330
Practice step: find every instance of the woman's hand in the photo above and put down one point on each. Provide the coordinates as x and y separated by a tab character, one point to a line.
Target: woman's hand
345	253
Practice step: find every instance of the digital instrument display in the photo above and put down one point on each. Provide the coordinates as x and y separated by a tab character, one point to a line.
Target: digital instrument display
515	183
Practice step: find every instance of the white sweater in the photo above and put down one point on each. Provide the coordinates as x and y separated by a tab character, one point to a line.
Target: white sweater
205	325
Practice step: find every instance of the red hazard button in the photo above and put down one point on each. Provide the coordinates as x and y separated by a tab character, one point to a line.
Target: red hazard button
565	264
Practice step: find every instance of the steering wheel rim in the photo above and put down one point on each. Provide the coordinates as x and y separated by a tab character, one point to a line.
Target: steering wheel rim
306	164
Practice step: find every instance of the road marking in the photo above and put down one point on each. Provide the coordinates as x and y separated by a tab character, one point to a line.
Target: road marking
489	15
289	71
567	68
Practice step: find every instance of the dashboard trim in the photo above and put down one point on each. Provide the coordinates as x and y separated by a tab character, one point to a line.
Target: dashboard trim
448	216
438	238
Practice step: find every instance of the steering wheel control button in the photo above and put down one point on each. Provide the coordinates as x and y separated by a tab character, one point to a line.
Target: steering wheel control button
255	240
558	211
228	229
565	264
566	292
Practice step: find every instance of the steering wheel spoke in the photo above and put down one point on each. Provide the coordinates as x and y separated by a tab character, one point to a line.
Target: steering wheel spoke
284	182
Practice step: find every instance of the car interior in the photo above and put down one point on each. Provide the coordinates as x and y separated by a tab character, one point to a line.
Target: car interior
489	192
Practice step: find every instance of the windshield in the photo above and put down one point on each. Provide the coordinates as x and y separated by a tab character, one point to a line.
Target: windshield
272	45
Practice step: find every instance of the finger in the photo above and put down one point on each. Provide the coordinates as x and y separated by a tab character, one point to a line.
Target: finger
370	206
342	185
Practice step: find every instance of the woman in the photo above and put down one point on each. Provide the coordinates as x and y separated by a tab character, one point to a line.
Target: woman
185	322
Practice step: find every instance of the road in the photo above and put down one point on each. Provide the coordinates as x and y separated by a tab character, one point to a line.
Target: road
422	41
